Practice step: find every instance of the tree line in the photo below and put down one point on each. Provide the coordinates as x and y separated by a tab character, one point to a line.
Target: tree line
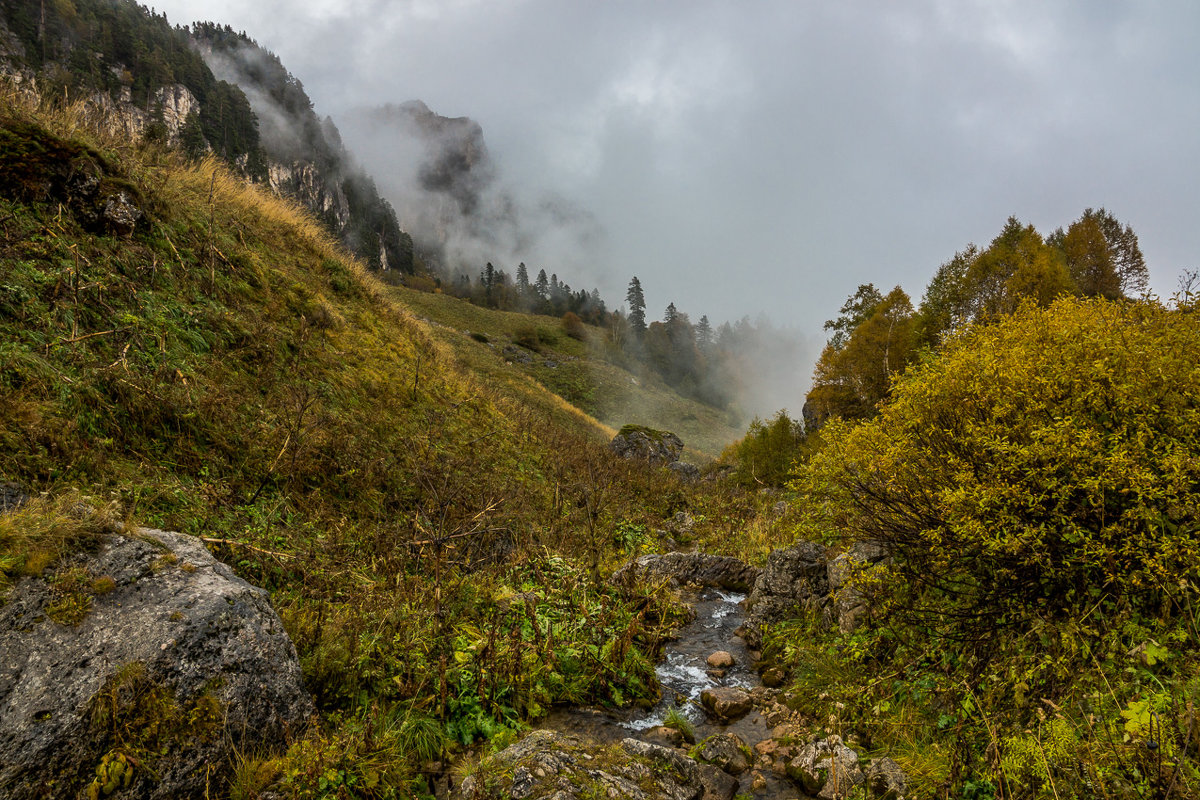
697	359
876	335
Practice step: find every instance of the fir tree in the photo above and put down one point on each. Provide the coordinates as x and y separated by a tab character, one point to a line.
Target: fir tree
637	307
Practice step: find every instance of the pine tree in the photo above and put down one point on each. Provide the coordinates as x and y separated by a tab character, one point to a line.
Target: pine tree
543	285
672	313
637	307
704	334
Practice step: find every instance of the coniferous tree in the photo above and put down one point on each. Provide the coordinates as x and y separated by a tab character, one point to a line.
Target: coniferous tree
522	280
704	335
637	307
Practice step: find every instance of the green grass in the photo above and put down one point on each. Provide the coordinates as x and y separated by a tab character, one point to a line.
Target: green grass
611	395
228	371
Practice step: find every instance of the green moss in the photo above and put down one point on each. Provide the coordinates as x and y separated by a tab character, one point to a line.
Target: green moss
653	434
141	720
72	596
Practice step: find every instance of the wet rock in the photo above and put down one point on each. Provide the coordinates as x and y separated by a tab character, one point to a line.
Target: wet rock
689	568
758	782
162	619
716	784
885	780
638	443
725	703
773	677
726	751
722	659
826	769
547	765
664	736
793	577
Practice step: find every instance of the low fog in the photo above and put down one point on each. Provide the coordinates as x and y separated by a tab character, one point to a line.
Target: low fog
763	158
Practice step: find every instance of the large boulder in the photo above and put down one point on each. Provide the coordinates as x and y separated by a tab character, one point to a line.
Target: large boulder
827	769
547	765
723	572
639	443
140	670
793	577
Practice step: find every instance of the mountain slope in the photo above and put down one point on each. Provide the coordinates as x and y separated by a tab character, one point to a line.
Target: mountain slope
152	80
209	360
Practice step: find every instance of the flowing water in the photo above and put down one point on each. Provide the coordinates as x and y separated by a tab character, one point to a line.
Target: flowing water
684	673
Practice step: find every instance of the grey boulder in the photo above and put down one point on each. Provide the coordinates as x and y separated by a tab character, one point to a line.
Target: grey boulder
162	666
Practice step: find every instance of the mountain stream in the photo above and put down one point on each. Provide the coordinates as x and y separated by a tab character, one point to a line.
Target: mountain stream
684	673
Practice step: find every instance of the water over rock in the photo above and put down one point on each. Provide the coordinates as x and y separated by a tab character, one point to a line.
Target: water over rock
146	657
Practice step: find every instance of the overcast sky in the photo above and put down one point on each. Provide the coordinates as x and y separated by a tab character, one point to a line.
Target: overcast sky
747	157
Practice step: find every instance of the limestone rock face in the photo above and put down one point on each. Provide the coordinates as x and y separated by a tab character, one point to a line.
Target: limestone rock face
793	576
155	616
176	102
723	572
303	181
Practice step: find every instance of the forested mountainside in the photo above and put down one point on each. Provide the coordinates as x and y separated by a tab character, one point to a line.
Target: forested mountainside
155	76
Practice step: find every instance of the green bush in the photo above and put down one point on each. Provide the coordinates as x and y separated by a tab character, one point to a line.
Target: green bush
1038	467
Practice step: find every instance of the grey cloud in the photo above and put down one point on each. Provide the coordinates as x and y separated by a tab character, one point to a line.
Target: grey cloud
770	156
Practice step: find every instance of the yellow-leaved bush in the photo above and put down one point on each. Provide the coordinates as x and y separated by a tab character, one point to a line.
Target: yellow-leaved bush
1040	468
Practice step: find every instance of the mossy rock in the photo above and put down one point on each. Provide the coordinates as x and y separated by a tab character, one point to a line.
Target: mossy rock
37	166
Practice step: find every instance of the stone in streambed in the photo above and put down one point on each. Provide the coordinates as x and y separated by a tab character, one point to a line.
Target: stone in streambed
725	703
826	769
724	750
722	659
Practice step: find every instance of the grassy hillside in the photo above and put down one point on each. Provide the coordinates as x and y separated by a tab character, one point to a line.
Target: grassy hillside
225	370
571	368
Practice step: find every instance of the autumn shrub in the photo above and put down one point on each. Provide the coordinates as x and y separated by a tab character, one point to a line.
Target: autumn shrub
1036	467
1037	486
573	326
